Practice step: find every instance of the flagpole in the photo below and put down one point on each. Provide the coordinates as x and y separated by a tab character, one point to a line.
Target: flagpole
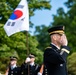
27	45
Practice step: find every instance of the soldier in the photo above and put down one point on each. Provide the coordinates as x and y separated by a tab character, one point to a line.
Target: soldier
55	55
29	67
13	69
41	70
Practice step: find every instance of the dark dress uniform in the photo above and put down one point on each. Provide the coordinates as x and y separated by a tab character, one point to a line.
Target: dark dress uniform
55	60
27	69
14	71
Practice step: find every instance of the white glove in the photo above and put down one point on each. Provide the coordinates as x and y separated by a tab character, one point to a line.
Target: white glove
63	40
39	73
27	60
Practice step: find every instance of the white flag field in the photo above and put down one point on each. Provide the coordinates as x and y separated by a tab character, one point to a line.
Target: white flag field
19	19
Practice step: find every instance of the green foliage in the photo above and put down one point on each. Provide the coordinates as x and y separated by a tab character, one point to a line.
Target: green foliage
18	45
42	36
72	64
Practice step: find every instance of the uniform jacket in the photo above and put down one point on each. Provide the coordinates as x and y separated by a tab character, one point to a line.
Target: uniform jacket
14	71
55	61
32	70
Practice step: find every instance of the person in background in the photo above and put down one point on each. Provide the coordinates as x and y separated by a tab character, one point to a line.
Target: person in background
41	70
13	69
29	67
56	54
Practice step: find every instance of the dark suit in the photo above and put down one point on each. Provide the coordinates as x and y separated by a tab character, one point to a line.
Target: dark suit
14	71
55	62
32	70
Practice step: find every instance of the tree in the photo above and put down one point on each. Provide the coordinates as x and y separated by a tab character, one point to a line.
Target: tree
72	64
42	36
18	45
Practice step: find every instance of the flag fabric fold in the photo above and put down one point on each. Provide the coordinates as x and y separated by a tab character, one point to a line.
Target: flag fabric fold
19	19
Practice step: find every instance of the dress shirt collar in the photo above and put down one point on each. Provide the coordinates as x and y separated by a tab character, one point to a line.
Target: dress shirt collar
32	63
12	67
56	46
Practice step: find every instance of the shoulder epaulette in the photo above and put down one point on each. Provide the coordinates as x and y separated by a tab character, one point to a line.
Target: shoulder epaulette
48	47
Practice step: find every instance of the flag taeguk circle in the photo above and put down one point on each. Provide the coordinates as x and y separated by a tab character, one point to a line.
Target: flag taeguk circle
16	14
